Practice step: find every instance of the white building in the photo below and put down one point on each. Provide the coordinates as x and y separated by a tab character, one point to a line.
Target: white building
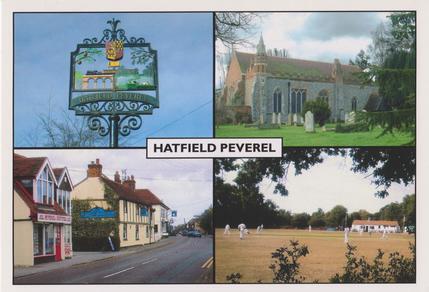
160	216
375	225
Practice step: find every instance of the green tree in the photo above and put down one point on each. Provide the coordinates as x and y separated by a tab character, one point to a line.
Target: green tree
409	209
318	219
205	220
300	220
320	109
336	217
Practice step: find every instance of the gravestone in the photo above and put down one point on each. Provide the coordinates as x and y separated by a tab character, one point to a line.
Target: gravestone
351	119
346	116
295	119
289	119
309	122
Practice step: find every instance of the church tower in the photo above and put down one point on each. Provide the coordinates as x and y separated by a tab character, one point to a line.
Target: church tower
261	57
260	70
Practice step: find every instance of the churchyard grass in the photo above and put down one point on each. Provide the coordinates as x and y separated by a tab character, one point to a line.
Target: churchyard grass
296	136
251	257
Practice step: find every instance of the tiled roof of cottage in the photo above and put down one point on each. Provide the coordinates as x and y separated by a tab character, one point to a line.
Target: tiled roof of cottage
300	69
150	197
26	167
124	192
58	172
375	222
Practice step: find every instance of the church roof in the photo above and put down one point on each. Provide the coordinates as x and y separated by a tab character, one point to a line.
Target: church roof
300	69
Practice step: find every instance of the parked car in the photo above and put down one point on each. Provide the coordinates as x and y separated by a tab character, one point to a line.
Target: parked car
194	234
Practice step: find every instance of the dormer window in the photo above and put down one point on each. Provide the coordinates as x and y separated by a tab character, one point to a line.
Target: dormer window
45	187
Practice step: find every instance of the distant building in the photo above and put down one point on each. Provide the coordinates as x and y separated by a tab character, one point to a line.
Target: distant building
42	208
375	225
138	209
273	89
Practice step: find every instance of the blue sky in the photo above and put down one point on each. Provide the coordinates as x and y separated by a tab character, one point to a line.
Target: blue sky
43	43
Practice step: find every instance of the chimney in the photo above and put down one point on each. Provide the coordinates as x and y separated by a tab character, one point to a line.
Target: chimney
117	177
94	169
130	183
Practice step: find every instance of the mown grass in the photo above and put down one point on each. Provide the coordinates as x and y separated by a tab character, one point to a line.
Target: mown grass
251	257
296	136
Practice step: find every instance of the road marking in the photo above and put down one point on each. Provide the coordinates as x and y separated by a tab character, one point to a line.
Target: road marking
149	261
207	263
118	272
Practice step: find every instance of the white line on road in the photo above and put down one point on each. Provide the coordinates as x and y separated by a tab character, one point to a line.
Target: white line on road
207	263
149	261
118	272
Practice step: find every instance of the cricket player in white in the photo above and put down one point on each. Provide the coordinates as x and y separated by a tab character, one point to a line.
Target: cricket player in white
262	227
346	235
257	229
360	231
384	236
241	228
227	228
309	228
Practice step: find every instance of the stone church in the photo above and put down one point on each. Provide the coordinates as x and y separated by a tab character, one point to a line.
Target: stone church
273	89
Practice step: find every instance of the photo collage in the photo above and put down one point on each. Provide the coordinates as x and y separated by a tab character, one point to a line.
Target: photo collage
338	205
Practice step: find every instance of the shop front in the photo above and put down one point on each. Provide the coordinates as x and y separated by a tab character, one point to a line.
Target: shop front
50	238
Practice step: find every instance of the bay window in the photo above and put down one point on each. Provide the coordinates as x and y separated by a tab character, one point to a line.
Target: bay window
45	187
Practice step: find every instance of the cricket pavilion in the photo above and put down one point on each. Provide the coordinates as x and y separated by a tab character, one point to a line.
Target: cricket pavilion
375	226
41	211
116	209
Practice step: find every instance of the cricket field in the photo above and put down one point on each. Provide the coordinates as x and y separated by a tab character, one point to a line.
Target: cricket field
251	256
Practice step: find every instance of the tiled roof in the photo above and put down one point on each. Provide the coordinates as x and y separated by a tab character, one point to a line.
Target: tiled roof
375	222
26	166
58	172
300	69
124	192
150	197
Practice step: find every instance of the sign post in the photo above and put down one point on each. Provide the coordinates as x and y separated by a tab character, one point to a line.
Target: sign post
113	82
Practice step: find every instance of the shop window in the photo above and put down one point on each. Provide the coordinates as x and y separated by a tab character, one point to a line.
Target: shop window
38	239
49	239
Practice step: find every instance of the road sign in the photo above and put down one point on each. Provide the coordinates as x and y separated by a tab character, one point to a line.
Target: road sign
174	213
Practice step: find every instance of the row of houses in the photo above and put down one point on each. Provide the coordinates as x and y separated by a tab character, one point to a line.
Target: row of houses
42	218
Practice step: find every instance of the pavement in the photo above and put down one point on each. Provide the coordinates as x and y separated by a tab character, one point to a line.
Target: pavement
171	260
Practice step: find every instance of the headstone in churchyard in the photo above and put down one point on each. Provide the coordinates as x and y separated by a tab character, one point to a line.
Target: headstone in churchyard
295	119
351	118
346	116
309	122
289	119
299	120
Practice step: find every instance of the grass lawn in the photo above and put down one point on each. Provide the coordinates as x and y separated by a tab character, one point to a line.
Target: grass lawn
296	136
252	256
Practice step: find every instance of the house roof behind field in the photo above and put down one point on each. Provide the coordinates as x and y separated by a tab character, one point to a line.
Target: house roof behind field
375	222
285	67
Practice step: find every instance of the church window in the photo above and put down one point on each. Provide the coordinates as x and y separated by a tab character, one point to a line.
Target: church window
298	97
324	95
277	101
354	104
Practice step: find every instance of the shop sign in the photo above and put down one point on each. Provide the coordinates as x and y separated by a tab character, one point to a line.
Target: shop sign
53	218
98	212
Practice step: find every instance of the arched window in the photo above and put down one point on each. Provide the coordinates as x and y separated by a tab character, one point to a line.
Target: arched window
324	95
277	101
298	97
354	104
45	187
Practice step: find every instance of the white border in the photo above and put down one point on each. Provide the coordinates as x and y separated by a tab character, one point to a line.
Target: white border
8	6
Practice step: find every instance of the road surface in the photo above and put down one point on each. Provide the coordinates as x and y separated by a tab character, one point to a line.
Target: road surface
185	260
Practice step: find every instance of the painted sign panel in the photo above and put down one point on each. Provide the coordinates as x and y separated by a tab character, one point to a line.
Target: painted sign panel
98	212
174	213
143	212
113	64
53	218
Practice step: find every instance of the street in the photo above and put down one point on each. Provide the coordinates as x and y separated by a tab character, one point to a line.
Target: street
185	260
